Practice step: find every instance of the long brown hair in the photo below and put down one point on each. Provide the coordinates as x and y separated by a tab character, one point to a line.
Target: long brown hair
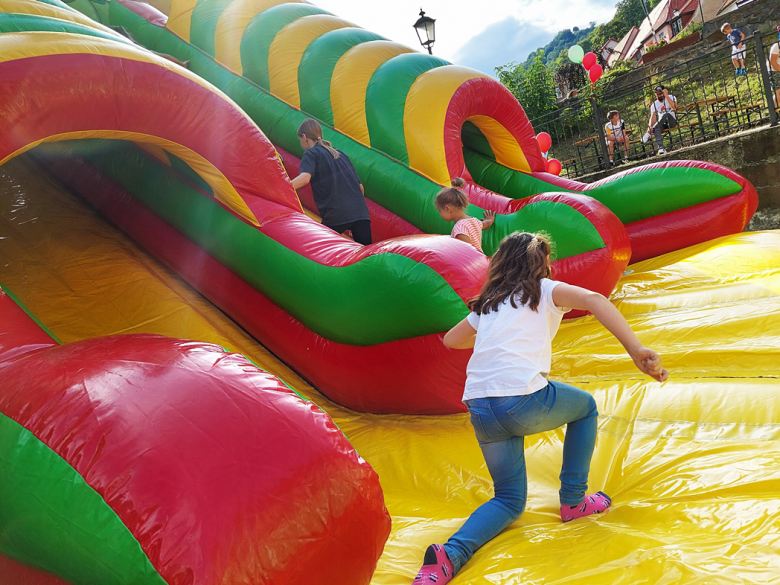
312	130
516	270
452	195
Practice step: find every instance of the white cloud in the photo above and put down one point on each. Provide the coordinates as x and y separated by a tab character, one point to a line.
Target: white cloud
499	44
464	27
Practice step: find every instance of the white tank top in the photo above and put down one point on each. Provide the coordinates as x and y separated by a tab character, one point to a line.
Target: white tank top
513	348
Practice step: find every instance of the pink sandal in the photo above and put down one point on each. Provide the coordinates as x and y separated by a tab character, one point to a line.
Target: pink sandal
592	504
437	567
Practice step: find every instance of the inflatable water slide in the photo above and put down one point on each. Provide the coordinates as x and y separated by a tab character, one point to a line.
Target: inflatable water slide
410	123
119	475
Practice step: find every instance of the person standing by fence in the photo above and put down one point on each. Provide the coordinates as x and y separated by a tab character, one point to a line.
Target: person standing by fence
736	38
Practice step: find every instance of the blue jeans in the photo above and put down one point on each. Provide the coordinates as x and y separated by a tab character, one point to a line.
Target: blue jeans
501	425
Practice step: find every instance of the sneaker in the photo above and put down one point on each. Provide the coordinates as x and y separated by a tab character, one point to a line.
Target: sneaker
661	151
437	567
645	138
591	504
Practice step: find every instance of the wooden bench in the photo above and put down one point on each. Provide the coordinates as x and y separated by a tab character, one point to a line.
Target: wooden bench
751	107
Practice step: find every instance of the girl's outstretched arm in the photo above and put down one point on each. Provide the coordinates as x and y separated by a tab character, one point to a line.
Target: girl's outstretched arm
648	361
461	336
301	180
490	217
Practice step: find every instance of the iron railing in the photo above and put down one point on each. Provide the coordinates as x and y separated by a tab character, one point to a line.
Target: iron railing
712	101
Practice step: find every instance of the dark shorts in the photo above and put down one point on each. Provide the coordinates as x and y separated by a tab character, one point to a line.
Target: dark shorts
361	230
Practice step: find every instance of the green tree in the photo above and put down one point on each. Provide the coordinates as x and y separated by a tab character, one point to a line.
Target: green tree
628	13
533	87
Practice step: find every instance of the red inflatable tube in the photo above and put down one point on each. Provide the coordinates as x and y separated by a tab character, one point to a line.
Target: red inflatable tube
408	376
219	471
14	573
720	217
685	227
39	100
489	98
384	223
598	270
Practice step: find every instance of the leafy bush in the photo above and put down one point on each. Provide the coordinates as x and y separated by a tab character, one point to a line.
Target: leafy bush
688	30
655	46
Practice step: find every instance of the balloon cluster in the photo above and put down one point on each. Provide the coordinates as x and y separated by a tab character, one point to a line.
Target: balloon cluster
545	142
588	60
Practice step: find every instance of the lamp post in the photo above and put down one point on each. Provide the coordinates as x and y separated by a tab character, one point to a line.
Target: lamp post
426	26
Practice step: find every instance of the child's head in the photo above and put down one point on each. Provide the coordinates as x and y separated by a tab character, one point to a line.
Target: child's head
451	199
310	135
517	268
726	29
613	116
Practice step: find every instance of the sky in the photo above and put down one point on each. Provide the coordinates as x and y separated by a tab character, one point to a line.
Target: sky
479	34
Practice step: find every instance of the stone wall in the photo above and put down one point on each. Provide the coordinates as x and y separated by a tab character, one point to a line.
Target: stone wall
754	154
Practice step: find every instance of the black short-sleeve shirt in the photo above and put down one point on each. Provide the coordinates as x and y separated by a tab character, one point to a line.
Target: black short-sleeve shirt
335	185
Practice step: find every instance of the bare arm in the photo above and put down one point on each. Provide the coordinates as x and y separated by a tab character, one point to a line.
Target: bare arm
301	181
652	119
463	238
461	336
648	361
363	191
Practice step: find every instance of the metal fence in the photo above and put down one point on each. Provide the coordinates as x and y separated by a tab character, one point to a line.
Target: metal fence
712	101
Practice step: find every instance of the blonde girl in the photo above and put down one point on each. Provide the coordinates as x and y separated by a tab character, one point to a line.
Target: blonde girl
451	202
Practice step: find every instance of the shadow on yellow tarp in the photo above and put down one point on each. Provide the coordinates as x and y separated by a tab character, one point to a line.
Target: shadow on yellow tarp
693	465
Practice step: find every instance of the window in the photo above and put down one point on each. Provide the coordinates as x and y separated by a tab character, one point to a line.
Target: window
676	26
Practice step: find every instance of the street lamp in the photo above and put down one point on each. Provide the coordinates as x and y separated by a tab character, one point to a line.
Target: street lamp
427	26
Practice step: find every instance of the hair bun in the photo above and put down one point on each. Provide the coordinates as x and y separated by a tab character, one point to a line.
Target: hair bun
458	183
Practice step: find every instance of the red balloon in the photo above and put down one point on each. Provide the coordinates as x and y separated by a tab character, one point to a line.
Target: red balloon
554	166
589	60
544	140
594	73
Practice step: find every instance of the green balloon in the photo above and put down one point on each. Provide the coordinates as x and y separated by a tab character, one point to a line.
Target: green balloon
576	54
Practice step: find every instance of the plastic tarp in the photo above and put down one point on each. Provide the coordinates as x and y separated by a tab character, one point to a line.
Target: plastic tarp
693	465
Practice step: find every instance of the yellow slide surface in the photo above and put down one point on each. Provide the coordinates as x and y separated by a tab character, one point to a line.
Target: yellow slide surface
693	465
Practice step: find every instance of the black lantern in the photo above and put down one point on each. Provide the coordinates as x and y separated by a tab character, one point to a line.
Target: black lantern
426	26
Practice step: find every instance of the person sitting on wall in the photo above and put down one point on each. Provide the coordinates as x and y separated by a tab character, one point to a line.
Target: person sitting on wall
773	65
663	115
615	132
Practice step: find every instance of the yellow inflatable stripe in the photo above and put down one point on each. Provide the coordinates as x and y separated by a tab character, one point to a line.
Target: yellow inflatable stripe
287	49
41	9
223	189
180	18
350	81
424	113
231	27
21	45
156	151
502	143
